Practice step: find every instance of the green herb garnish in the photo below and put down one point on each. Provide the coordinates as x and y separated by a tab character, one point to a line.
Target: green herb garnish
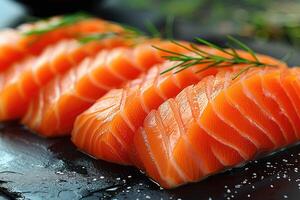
153	30
217	61
131	32
165	32
96	36
63	21
128	33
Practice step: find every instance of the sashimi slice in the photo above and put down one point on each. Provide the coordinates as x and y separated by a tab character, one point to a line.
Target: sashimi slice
10	51
22	81
72	93
217	124
15	44
110	124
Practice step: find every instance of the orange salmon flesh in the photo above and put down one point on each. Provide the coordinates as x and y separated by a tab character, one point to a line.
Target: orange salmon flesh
116	99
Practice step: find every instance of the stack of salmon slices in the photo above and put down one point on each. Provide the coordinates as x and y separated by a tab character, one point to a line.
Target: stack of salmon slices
122	99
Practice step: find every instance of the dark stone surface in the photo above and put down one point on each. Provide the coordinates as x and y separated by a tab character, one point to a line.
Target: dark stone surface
36	168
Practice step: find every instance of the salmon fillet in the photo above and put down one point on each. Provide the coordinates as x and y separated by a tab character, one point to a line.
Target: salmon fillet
218	124
15	45
106	130
10	51
19	83
72	93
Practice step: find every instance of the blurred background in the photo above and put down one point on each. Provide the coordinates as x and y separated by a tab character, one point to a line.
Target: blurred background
258	22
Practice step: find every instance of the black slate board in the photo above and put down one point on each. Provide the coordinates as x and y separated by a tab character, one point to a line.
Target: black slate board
35	168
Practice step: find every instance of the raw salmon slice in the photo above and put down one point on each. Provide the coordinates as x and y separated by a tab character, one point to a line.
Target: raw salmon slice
10	51
218	124
106	130
15	44
22	81
53	111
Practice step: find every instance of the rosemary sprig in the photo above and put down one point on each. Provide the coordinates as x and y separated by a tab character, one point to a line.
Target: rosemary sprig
128	33
200	56
63	21
96	36
164	32
132	32
154	32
